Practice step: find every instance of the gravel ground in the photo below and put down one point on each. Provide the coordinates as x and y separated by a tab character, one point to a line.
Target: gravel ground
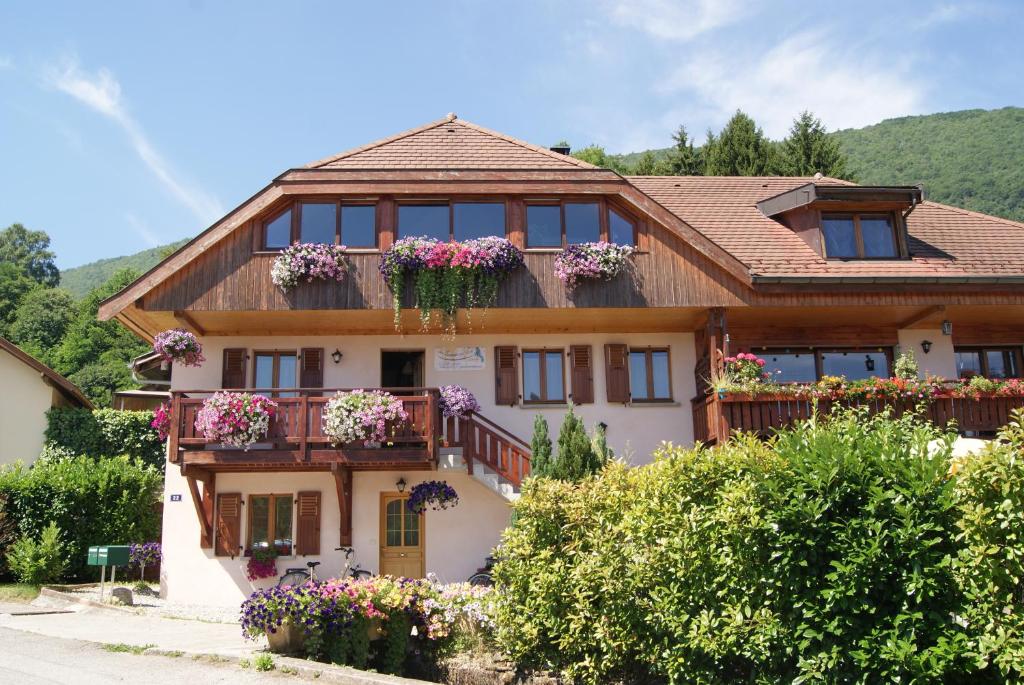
152	605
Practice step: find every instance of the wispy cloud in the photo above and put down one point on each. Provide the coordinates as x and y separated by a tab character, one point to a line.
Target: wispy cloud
148	235
679	20
948	12
101	92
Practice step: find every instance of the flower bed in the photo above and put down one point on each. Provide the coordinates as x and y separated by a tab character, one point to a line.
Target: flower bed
366	416
238	419
591	261
448	275
179	345
433	494
308	262
457	402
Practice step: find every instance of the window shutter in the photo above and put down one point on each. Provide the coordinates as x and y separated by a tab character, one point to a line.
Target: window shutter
229	524
233	372
307	528
616	364
506	375
582	373
312	374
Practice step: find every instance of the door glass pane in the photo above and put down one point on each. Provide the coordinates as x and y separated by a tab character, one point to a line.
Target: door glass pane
659	368
968	363
279	232
393	523
283	524
839	237
638	375
1001	364
582	222
426	220
412	528
287	370
317	222
531	376
543	226
854	365
264	371
358	226
786	367
478	220
879	241
553	369
259	520
620	229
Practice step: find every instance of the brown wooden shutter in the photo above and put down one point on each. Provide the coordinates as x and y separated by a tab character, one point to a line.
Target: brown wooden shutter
229	524
506	375
307	523
233	371
616	365
312	373
581	373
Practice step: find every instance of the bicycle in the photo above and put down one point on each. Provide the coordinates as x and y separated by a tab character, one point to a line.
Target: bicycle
300	576
483	576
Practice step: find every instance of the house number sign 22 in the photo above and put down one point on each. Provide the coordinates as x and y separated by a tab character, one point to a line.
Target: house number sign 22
175	498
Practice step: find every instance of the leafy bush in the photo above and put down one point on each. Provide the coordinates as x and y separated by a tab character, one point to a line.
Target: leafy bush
38	562
95	501
82	432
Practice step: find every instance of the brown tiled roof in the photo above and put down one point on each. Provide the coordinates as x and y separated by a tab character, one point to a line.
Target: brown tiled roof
63	385
945	242
450	143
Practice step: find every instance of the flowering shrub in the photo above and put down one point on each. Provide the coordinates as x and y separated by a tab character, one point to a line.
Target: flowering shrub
179	345
262	563
979	386
591	261
457	401
367	416
448	275
235	418
308	261
436	494
161	422
144	555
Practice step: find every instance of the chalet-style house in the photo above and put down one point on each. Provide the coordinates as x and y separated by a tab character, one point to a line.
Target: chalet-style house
819	277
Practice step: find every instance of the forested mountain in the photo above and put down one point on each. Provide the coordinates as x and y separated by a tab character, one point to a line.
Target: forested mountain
81	279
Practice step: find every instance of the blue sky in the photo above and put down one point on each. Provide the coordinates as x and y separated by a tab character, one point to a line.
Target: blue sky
129	124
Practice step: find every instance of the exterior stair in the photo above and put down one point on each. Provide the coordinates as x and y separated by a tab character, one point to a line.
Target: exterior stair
494	457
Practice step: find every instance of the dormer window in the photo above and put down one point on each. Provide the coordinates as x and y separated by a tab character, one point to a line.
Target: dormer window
859	236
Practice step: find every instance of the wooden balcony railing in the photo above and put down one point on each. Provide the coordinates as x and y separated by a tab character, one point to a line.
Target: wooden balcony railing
486	442
715	418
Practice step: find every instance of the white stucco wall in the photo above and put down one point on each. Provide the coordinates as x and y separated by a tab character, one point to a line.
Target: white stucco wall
940	360
24	399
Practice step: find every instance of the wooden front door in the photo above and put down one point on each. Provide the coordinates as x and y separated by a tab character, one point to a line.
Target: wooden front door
401	537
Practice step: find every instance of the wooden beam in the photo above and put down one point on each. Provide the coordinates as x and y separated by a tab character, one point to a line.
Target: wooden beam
188	322
922	315
200	502
343	483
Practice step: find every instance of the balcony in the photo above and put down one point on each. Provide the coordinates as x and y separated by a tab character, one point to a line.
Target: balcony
715	418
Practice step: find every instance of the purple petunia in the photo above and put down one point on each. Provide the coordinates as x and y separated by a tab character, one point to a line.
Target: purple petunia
586	261
179	345
308	261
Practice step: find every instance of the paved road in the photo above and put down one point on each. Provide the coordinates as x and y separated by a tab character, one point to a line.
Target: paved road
31	659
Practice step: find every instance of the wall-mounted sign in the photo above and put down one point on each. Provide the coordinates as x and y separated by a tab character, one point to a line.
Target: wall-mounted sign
458	358
175	498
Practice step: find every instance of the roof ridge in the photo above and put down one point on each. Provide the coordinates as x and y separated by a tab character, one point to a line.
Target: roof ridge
970	212
378	143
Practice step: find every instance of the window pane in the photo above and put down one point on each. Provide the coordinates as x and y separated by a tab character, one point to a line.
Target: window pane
264	371
582	222
839	238
659	368
531	376
393	524
638	375
259	521
479	220
358	226
877	235
786	367
1001	364
279	231
283	524
968	363
317	221
854	365
553	368
412	528
287	369
428	220
620	229
543	226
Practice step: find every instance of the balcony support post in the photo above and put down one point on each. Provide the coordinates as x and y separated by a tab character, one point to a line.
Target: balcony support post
343	484
203	503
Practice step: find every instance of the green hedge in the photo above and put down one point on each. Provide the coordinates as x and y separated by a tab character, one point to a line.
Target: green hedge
829	555
93	501
82	432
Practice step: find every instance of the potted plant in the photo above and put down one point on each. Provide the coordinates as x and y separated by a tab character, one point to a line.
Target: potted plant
161	422
178	345
433	494
308	262
368	417
238	419
262	563
591	261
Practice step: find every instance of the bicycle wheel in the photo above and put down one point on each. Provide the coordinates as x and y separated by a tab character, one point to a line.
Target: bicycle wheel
481	579
293	577
360	574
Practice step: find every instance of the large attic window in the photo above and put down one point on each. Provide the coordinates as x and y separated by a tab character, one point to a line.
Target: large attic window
326	222
859	236
278	231
558	223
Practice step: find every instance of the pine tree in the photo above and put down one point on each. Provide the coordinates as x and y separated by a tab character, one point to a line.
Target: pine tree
810	150
599	445
540	448
684	159
741	149
576	459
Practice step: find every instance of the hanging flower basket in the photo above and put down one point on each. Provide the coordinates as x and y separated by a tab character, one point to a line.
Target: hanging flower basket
458	402
363	416
308	262
161	422
591	261
432	494
262	564
238	419
179	345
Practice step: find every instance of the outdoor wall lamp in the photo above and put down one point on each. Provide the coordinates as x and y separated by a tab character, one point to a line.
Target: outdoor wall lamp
947	327
336	356
869	363
926	345
400	485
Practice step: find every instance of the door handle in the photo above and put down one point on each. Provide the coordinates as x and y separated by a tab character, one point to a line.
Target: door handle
402	554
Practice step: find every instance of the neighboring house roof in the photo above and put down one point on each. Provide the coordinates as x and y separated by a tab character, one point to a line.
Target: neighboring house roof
63	385
450	143
945	242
